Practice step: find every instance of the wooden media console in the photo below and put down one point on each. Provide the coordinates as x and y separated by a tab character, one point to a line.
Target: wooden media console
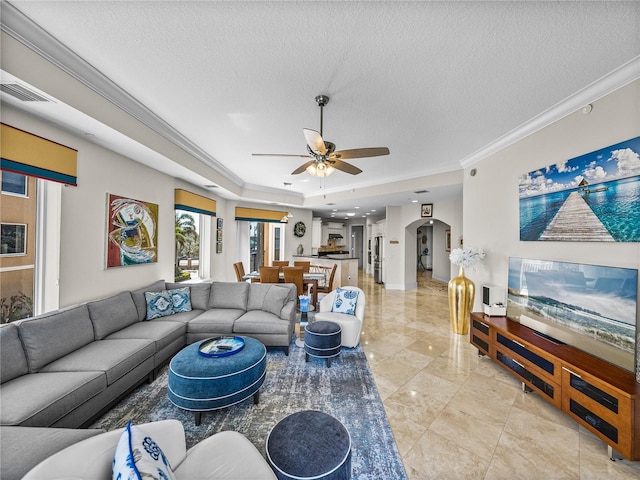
600	396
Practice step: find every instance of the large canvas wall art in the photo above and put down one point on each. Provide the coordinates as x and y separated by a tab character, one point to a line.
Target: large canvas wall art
594	197
132	231
591	307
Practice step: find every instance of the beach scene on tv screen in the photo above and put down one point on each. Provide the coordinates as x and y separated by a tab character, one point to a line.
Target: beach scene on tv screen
591	307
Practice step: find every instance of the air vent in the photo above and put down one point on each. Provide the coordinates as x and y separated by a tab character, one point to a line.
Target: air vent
21	93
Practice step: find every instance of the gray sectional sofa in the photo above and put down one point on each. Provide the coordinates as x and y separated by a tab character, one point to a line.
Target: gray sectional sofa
65	368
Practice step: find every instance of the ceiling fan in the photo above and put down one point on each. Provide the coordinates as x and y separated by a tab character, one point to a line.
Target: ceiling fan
324	157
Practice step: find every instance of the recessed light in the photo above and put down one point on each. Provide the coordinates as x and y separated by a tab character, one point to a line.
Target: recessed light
373	210
334	210
414	201
356	208
350	214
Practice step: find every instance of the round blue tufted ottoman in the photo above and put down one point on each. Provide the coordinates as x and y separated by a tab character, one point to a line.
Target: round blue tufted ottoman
309	445
198	383
322	339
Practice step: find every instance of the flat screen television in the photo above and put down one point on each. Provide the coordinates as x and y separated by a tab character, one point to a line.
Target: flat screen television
590	307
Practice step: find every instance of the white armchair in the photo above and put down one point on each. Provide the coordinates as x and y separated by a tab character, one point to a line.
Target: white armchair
225	455
351	324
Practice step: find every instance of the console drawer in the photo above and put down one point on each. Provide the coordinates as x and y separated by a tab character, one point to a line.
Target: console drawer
535	360
548	390
480	335
598	407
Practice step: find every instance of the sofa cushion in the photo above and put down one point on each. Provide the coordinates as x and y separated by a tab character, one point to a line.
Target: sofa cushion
180	299
49	337
112	314
159	304
270	298
13	361
140	301
56	394
182	317
25	447
163	333
229	295
215	321
260	322
345	301
199	293
138	456
115	357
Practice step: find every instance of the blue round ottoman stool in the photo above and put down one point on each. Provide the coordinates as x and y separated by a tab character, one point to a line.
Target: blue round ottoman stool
309	445
198	383
323	340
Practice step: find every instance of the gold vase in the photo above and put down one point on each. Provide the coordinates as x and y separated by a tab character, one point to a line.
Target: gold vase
462	292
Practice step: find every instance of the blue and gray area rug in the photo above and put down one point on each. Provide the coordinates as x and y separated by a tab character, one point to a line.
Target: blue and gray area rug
347	391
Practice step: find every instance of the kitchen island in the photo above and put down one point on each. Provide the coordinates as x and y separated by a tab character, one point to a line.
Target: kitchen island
346	272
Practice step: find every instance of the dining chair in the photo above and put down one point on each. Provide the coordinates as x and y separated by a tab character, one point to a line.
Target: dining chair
269	274
280	263
294	275
306	265
328	286
239	269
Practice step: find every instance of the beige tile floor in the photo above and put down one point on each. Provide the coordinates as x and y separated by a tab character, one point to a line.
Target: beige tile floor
457	416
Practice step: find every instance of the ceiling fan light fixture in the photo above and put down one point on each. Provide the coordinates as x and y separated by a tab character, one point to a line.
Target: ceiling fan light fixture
320	169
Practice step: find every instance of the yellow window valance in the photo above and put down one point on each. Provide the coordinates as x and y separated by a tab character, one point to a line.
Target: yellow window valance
192	202
258	215
28	154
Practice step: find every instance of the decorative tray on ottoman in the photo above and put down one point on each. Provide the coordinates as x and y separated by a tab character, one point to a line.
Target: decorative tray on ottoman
221	346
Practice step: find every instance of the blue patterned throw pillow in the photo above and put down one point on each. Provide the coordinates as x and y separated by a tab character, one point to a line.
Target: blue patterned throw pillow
181	299
138	456
345	301
159	304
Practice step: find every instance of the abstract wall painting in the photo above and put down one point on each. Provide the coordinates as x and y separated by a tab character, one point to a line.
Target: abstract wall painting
591	198
132	231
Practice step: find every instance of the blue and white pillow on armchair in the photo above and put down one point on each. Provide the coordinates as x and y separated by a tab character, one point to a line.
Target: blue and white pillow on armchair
345	301
139	457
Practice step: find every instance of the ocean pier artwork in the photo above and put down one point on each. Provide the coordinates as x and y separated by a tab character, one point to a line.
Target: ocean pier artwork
575	221
591	198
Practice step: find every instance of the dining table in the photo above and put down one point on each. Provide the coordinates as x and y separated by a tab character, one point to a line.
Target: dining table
308	278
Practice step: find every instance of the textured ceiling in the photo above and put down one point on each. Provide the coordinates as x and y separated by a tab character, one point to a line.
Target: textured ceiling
433	81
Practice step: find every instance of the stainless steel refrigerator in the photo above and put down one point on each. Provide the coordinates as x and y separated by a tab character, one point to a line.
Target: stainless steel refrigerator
377	259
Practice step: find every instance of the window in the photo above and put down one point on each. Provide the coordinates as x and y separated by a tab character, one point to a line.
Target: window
14	183
187	245
13	239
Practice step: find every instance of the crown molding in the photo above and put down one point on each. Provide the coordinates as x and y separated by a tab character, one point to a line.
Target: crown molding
602	87
23	29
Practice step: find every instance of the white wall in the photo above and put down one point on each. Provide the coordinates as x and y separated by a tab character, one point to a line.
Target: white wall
400	259
491	210
83	275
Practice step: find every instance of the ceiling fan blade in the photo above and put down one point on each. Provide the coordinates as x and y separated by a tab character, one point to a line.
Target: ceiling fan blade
345	167
302	167
279	155
315	141
360	153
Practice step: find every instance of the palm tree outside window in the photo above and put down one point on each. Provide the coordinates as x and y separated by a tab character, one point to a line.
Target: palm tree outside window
187	245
